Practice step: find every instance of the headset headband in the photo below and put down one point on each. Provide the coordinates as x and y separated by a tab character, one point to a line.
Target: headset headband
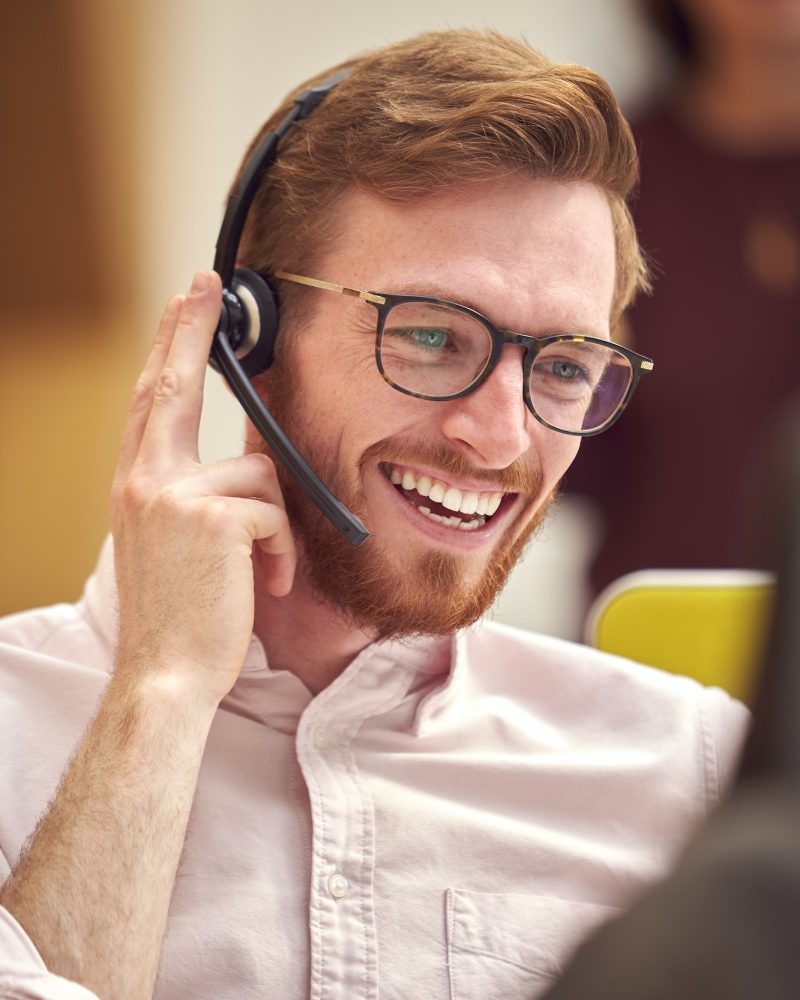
248	307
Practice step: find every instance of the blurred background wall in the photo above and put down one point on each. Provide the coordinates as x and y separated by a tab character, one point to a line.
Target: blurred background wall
122	126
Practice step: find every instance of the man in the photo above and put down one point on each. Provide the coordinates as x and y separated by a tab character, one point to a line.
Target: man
383	801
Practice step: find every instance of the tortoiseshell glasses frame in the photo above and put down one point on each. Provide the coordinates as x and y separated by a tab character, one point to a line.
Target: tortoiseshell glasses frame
560	371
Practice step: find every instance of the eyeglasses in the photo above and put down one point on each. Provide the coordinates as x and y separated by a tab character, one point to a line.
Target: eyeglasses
433	349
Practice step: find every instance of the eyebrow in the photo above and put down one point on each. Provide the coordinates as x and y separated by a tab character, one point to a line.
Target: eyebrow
434	292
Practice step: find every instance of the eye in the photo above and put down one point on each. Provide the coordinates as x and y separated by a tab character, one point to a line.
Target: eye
432	339
422	337
567	370
561	378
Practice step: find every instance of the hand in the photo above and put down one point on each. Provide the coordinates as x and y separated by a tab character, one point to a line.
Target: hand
184	533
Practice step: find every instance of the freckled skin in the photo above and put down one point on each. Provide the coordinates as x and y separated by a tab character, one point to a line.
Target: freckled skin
534	256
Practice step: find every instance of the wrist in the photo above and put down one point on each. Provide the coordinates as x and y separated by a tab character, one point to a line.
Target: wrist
182	667
172	694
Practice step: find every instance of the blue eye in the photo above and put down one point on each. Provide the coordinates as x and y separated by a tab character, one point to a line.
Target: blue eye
566	370
428	338
432	339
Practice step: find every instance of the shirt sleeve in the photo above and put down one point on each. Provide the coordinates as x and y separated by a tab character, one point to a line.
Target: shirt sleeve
726	724
23	974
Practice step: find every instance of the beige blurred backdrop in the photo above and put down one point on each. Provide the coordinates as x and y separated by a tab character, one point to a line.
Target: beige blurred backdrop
122	126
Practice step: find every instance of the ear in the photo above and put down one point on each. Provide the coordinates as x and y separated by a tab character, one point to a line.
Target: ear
260	383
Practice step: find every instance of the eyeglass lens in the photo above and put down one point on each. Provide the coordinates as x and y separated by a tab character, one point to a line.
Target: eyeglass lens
435	350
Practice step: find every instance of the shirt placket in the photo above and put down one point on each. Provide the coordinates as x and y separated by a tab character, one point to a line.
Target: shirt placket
344	960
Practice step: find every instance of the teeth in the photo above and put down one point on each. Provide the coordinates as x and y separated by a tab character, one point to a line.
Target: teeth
436	492
464	502
453	522
469	503
452	499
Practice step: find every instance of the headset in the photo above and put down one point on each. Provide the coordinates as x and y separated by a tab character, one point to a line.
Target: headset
244	341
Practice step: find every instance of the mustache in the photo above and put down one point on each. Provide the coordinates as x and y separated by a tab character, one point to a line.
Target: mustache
518	477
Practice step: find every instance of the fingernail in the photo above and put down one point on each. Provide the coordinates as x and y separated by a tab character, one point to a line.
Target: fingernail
200	282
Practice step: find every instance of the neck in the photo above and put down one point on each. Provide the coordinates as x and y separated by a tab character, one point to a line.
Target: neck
747	98
303	635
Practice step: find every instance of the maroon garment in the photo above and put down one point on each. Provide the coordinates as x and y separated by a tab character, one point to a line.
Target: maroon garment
676	476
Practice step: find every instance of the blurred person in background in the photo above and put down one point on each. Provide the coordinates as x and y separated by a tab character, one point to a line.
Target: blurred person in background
718	214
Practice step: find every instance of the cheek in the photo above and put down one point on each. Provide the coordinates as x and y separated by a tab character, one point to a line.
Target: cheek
557	454
337	370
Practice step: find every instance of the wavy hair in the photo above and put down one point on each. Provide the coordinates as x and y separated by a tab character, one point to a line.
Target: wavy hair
443	108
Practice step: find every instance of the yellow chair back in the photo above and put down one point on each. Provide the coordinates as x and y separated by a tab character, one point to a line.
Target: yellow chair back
708	624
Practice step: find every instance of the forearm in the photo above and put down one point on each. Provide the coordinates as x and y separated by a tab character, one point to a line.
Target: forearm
93	888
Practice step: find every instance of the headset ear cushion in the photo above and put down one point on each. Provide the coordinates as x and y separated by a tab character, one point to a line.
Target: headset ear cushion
260	304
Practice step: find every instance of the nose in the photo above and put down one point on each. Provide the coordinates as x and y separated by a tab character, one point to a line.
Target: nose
493	423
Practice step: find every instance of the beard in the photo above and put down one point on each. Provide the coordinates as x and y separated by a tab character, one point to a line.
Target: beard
426	595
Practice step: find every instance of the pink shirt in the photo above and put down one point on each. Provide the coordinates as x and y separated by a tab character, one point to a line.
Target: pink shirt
448	819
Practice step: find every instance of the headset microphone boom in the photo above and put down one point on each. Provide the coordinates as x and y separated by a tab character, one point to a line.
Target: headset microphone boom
244	341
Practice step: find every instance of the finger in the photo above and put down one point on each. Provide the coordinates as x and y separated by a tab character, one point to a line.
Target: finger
268	526
197	322
250	475
174	419
142	397
253	479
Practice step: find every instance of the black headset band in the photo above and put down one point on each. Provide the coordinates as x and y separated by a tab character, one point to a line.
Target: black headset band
262	158
236	319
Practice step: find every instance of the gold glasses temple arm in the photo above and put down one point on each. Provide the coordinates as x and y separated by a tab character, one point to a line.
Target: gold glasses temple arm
330	286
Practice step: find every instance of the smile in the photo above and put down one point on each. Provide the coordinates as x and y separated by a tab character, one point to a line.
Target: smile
462	510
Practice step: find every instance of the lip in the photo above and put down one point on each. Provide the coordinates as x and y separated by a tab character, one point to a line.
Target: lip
464	541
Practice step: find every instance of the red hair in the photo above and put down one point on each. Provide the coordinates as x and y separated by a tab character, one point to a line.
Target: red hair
443	108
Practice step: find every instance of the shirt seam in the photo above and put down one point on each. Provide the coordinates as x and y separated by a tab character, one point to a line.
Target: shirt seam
710	757
366	803
322	700
485	953
450	924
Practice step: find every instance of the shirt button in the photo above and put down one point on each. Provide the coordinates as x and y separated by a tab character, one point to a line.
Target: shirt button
320	738
337	885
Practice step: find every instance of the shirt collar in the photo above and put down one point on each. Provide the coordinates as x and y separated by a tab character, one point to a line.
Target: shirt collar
437	664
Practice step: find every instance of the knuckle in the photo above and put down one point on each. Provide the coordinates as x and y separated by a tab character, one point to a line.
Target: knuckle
141	391
274	530
135	494
167	385
214	514
128	497
264	464
277	520
166	500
